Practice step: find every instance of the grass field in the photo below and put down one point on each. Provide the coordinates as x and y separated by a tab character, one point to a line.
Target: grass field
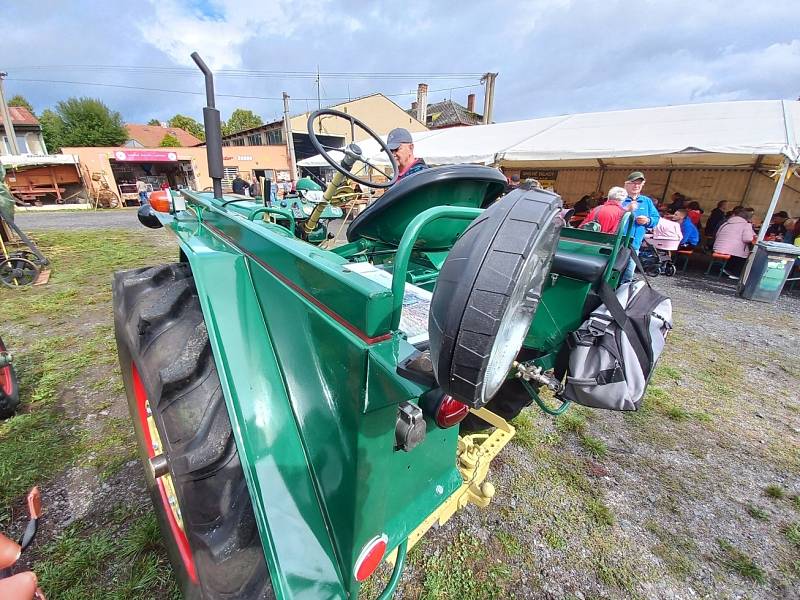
698	494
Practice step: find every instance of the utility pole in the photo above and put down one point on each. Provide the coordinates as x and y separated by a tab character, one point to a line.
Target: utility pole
488	98
8	125
319	99
287	128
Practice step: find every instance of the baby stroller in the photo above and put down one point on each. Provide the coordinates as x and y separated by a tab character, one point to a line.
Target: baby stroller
655	259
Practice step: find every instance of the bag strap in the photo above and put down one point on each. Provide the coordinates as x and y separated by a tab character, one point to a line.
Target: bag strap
638	263
618	313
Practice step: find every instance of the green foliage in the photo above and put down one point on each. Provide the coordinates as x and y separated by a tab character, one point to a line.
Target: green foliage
738	562
52	130
774	491
154	122
81	564
188	124
20	101
757	513
241	119
461	571
170	141
594	446
88	122
793	534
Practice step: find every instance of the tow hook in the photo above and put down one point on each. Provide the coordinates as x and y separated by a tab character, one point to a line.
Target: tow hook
531	373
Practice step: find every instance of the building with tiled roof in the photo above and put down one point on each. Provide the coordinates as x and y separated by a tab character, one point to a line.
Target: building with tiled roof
27	129
449	113
150	136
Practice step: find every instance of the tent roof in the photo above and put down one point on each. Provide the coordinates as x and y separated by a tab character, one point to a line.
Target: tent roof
691	133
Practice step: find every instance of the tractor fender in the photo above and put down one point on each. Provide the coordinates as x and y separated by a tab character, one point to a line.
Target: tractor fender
297	543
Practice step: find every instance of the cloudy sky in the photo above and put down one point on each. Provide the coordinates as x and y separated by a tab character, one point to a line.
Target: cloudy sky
553	56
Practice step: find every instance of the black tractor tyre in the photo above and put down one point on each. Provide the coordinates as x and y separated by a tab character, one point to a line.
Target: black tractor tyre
162	335
9	388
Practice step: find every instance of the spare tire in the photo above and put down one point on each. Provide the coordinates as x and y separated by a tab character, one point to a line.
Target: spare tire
487	293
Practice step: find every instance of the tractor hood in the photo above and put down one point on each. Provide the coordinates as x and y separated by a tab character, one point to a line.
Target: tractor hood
386	220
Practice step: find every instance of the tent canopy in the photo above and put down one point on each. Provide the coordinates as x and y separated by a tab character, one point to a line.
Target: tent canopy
719	133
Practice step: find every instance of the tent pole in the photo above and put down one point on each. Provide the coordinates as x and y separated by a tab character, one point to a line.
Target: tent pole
601	172
755	168
775	196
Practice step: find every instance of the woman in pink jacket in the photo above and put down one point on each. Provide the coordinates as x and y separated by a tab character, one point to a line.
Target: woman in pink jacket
734	237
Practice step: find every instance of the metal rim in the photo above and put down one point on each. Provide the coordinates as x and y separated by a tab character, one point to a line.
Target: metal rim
18	272
166	488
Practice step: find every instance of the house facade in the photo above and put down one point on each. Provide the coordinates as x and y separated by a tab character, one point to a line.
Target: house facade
27	130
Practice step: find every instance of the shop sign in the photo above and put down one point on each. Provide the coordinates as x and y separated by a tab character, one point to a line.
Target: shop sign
545	177
145	156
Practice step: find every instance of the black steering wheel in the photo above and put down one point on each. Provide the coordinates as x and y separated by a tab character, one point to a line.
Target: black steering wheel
352	153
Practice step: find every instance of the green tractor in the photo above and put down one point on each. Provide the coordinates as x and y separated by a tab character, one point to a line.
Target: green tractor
305	415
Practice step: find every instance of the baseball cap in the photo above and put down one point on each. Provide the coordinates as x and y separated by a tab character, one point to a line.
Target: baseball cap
783	214
635	175
398	136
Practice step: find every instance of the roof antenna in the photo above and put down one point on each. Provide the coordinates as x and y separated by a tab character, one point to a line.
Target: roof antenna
213	129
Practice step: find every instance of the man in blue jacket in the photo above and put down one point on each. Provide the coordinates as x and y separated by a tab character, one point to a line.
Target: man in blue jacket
645	215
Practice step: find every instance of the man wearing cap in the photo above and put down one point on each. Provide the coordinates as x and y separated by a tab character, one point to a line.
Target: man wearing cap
401	144
645	216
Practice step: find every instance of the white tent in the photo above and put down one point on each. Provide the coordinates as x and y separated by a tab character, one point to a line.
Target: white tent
759	134
737	129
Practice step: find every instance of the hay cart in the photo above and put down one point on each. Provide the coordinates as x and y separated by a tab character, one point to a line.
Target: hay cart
297	409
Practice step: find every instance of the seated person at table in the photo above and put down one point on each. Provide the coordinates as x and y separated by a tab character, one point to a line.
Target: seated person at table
716	218
690	237
584	204
609	215
694	212
678	201
777	225
734	238
792	230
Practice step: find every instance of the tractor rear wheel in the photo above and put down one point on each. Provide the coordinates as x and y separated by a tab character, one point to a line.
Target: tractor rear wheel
9	387
179	414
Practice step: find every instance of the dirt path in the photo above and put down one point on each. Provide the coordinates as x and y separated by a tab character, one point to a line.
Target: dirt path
61	220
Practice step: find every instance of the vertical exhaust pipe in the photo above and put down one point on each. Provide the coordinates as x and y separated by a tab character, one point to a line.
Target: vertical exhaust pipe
213	129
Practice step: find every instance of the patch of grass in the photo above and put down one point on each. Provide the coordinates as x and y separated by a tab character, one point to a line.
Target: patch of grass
80	564
678	552
678	413
792	533
460	571
667	372
510	544
594	446
796	502
737	561
527	434
571	420
757	513
599	512
774	491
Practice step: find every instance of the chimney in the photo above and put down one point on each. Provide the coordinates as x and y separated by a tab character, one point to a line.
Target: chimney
471	103
422	102
414	107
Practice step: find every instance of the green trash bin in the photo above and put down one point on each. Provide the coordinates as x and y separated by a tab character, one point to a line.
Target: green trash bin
767	270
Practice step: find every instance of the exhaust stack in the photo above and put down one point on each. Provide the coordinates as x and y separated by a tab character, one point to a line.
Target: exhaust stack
213	129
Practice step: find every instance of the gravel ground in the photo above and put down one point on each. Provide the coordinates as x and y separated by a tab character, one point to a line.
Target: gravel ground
685	482
122	218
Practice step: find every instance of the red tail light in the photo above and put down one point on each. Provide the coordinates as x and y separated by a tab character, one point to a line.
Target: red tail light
370	557
450	412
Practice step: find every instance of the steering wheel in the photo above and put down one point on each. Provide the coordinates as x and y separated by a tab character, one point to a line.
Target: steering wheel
352	153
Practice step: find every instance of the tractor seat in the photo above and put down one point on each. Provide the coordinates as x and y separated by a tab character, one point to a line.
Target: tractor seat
585	267
388	217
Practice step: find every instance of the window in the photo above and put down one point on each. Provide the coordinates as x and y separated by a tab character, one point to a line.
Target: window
275	137
237	142
228	175
254	139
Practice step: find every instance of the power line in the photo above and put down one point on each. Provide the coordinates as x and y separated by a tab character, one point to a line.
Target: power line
173	91
252	72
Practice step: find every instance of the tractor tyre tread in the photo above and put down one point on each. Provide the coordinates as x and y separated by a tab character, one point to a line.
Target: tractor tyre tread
160	323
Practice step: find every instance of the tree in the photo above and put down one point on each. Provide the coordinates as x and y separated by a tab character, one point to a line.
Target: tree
155	122
170	141
89	122
241	119
188	124
52	130
20	101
